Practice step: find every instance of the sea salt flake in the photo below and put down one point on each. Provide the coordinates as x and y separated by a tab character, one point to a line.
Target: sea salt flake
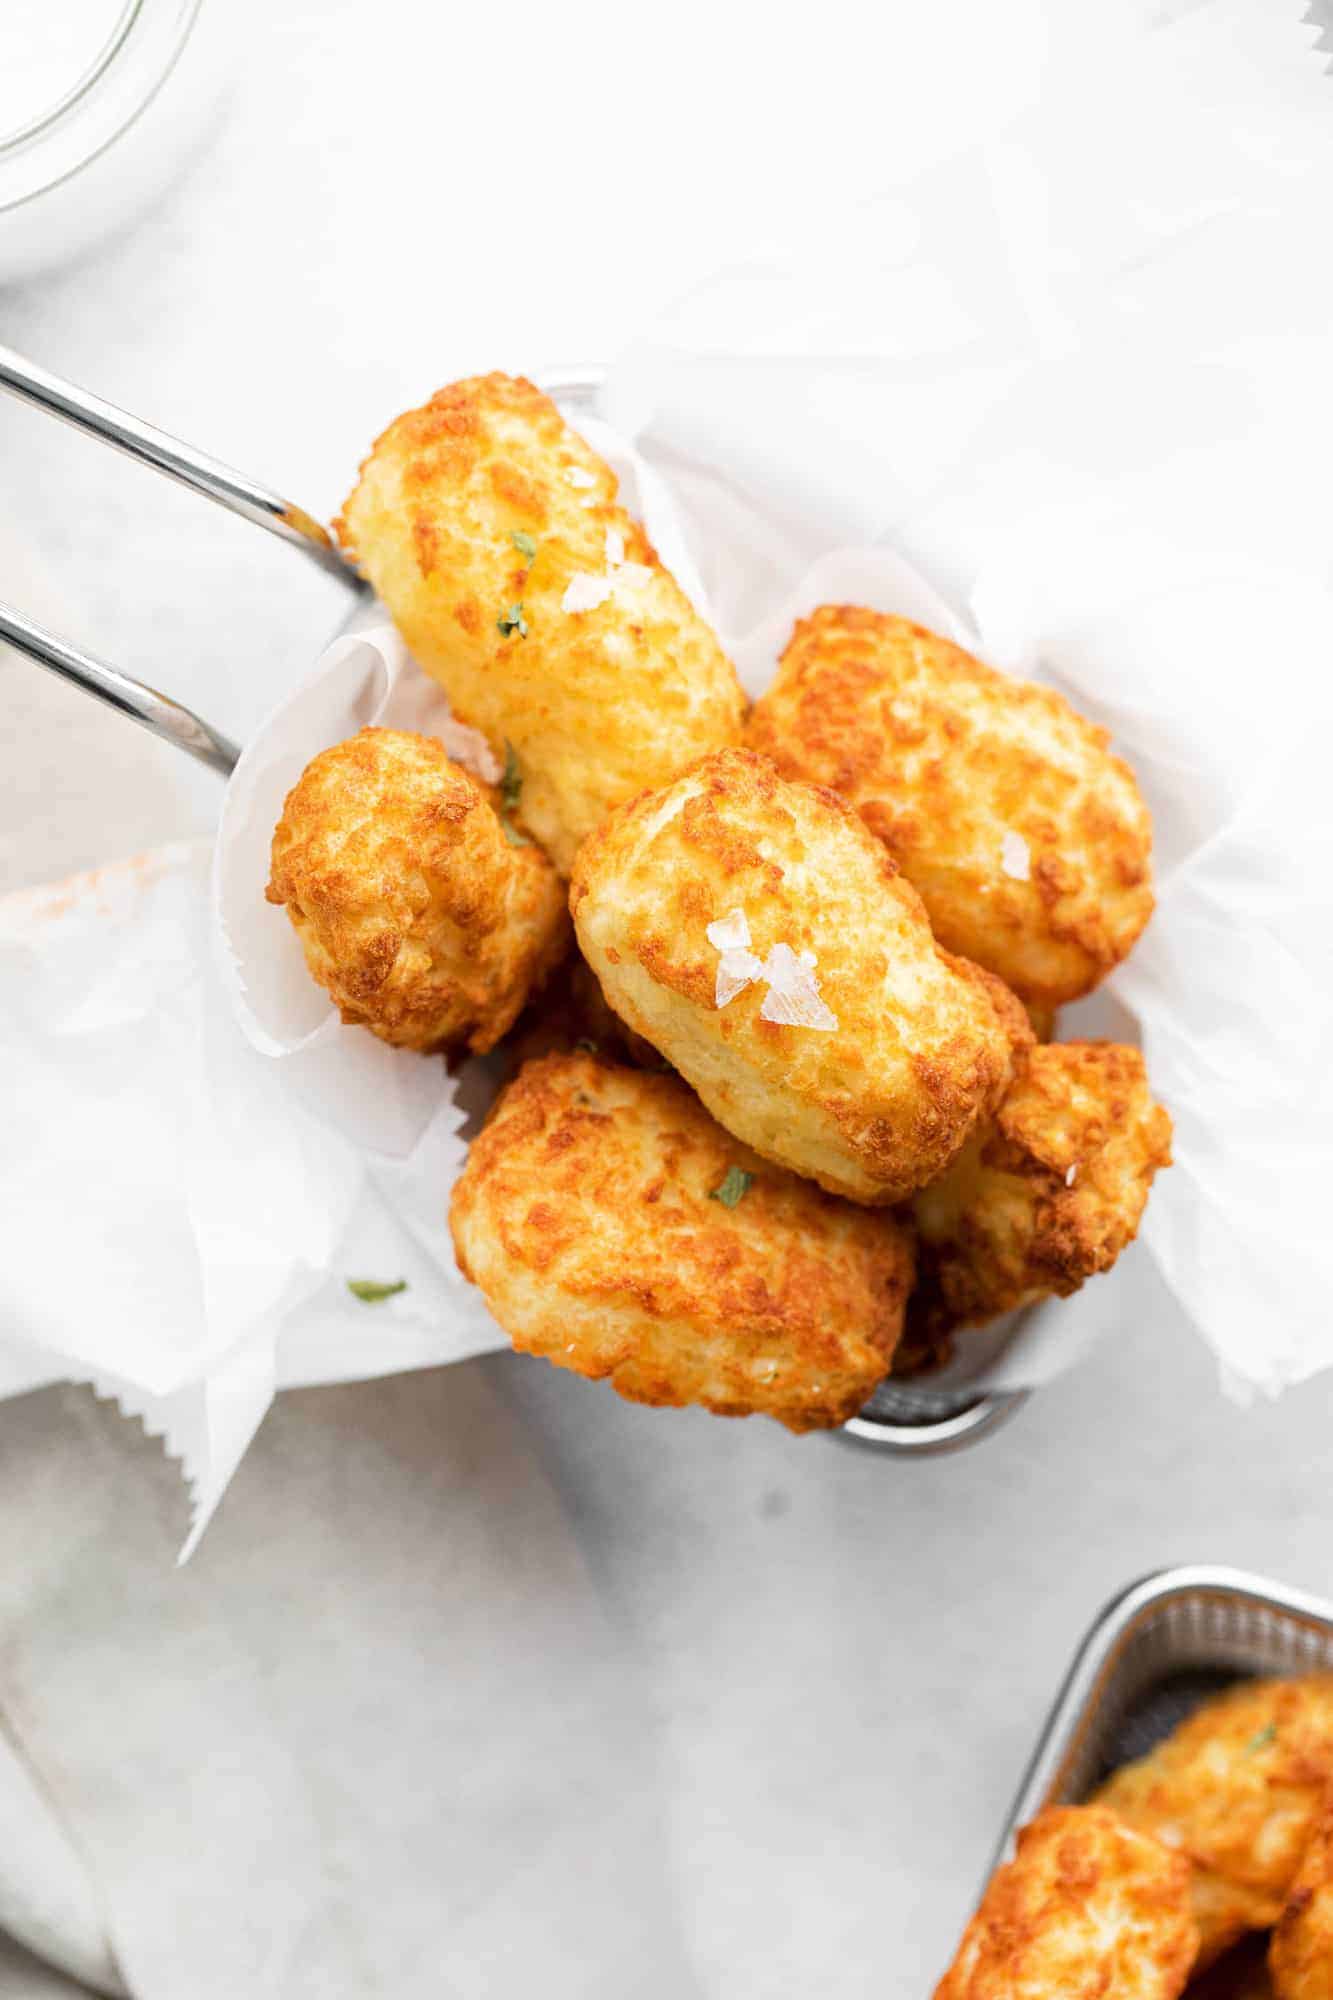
584	592
615	548
468	747
730	933
736	970
793	998
1072	1175
578	477
1015	859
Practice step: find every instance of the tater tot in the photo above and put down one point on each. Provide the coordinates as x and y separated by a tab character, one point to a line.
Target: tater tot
1027	839
1087	1909
1238	1788
423	916
1044	1195
847	1046
1301	1957
492	533
617	1231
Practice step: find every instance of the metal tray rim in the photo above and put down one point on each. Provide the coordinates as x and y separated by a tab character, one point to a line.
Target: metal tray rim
1104	1640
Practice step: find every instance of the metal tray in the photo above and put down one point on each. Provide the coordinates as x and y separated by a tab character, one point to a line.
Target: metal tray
902	1419
1157	1650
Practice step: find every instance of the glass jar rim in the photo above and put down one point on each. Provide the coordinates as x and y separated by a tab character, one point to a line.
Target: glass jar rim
113	92
29	129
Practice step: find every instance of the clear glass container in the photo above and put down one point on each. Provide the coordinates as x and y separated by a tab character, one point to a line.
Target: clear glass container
101	101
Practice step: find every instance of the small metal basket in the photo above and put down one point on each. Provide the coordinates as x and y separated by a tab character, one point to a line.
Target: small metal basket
1163	1646
903	1419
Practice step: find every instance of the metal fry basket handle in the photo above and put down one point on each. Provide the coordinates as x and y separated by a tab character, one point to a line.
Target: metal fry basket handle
218	482
233	490
166	718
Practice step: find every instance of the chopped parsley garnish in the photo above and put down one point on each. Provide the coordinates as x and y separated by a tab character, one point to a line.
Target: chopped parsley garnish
371	1292
732	1188
1262	1740
513	621
524	544
511	786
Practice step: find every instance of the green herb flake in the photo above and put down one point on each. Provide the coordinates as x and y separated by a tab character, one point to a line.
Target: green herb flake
513	621
525	545
511	789
511	782
1262	1740
734	1186
372	1293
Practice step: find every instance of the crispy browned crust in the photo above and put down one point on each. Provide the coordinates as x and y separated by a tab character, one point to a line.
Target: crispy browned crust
1301	1958
1007	1225
942	756
1238	1789
1088	1909
586	1214
595	703
922	1047
419	916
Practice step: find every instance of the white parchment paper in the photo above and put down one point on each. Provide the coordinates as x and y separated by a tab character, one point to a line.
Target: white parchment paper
234	1153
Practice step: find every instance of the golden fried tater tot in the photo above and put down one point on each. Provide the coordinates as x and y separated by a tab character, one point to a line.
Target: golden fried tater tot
1301	1958
1047	1193
863	1064
1088	1909
1238	1789
1028	840
616	1230
420	914
492	533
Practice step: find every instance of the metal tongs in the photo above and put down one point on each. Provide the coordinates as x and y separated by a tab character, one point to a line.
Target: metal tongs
202	474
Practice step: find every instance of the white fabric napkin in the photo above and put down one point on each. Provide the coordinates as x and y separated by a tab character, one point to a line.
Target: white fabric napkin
381	1738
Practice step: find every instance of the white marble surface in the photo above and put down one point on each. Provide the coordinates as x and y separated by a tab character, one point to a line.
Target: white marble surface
827	1669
